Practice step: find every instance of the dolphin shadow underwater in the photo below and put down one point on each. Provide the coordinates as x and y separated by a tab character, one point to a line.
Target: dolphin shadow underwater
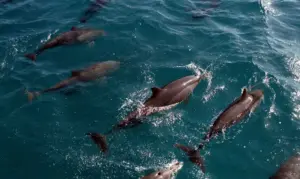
233	114
162	99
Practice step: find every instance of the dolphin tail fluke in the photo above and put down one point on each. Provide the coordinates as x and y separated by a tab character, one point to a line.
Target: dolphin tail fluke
31	56
31	95
99	140
193	155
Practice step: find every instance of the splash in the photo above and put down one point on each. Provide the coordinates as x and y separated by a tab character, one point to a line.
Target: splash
212	93
199	71
268	7
49	36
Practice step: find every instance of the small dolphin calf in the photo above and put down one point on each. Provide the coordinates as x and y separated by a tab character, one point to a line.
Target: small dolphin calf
234	113
74	36
93	9
162	99
90	73
289	170
167	173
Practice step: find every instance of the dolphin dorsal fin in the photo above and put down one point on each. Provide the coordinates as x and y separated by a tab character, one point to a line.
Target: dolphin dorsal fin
244	93
75	73
74	28
155	91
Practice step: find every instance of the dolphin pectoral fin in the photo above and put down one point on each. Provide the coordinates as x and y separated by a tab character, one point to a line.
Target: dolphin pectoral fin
186	101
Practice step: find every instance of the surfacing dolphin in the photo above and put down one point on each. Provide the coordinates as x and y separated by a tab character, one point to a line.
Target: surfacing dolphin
93	72
162	99
93	9
290	169
167	173
234	113
74	36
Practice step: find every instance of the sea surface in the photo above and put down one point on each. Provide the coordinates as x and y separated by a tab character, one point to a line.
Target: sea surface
240	43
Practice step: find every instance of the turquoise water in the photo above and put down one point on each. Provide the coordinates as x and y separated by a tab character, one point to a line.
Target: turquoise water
240	43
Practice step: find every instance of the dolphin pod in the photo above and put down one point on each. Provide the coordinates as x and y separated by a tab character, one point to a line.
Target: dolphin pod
234	113
75	35
166	173
162	99
90	73
290	169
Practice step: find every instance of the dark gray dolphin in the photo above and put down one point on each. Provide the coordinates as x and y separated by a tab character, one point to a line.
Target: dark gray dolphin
90	73
162	99
167	173
290	169
93	9
234	113
74	36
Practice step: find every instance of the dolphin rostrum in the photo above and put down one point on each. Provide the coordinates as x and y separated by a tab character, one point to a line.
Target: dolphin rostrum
74	36
290	169
234	113
162	99
167	173
93	72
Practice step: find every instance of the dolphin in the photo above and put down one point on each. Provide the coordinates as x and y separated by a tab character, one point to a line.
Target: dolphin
234	113
202	13
5	1
90	73
290	169
93	9
162	99
167	173
74	36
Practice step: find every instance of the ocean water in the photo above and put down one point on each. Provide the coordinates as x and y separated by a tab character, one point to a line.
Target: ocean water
240	43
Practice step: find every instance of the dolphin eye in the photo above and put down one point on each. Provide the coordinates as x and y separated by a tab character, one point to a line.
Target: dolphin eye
158	173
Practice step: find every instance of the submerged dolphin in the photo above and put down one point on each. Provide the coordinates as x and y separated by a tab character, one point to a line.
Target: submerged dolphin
289	169
167	173
74	36
234	113
93	9
90	73
162	99
5	1
202	13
